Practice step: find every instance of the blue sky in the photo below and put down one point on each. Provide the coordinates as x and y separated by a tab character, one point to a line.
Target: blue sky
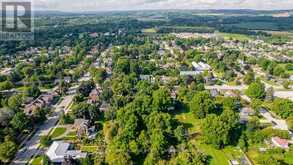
102	5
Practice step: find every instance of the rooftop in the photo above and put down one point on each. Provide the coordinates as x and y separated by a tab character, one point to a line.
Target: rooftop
59	149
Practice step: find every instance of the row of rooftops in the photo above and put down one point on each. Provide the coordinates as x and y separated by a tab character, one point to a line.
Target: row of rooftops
42	101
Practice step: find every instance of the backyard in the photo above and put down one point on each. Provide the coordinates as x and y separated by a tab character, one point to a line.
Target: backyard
217	157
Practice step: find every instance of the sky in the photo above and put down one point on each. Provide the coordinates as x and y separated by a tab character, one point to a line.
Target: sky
106	5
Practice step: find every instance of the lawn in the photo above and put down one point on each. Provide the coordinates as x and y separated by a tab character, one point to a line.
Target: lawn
240	37
72	133
290	72
188	120
90	149
37	161
58	132
150	30
253	154
289	157
218	157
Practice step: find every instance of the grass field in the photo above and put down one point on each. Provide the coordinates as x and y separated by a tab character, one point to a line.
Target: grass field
240	37
90	149
71	136
37	161
253	154
288	71
150	30
217	157
289	157
58	132
188	120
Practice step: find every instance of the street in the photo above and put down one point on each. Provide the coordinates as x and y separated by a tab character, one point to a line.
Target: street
277	93
31	147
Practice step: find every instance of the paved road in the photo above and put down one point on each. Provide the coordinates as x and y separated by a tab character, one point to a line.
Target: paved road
226	87
277	123
30	147
278	93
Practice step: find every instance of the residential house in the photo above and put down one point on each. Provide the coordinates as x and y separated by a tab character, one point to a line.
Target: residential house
189	73
201	67
281	143
6	71
214	92
148	78
81	126
104	107
42	101
244	114
94	96
59	150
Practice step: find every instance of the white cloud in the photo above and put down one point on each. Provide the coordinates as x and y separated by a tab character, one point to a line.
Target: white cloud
100	5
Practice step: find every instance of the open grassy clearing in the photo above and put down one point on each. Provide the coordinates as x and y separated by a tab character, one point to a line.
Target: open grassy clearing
217	157
59	131
90	149
188	120
150	30
240	37
285	67
37	161
253	154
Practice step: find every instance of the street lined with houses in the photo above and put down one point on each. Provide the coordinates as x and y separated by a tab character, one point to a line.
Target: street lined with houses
31	147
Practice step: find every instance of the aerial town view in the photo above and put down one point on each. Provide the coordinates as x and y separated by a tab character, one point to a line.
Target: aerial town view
146	82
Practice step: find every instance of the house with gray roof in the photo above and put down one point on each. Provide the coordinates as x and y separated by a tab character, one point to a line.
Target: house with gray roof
59	150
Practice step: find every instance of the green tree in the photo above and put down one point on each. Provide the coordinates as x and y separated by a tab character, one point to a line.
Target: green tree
20	122
7	150
202	104
122	66
32	91
249	78
256	90
45	141
6	85
278	71
15	102
286	84
161	99
85	88
190	155
290	122
180	133
218	130
283	107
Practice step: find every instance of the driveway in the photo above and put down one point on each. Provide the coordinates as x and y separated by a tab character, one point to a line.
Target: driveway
277	123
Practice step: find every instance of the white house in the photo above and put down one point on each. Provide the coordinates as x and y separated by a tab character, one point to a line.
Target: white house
201	66
59	150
